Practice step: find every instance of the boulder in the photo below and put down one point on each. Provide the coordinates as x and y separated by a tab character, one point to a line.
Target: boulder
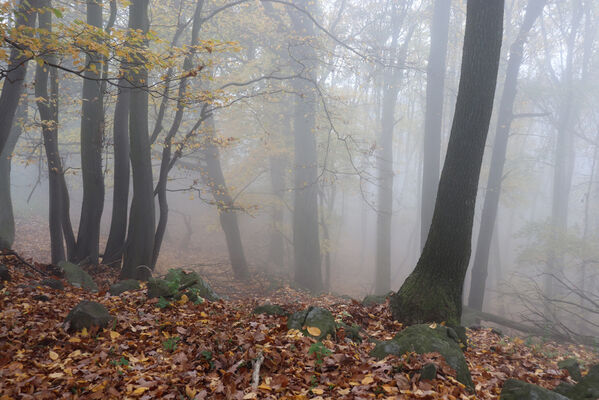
87	314
587	388
270	309
192	281
424	339
428	372
351	332
161	288
571	365
123	286
314	321
4	273
41	297
372	299
518	390
52	284
77	277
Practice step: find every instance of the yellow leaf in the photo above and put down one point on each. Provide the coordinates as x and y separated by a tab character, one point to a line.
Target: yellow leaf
433	325
264	386
203	315
344	392
367	380
74	340
389	388
84	332
114	335
184	299
191	393
317	391
53	356
249	396
56	375
139	391
517	340
313	330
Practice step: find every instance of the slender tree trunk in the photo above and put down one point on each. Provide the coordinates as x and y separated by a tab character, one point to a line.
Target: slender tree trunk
213	178
435	84
502	132
306	242
276	252
92	132
433	291
47	102
25	16
140	236
120	197
7	219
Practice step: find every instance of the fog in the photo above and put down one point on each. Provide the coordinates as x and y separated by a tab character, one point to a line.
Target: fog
353	76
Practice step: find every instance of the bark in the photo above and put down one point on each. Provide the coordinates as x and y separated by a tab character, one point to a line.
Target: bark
306	242
212	176
92	127
120	196
14	74
7	219
502	132
47	102
435	84
433	291
276	249
140	235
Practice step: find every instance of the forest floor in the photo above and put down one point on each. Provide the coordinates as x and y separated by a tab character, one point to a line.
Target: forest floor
210	350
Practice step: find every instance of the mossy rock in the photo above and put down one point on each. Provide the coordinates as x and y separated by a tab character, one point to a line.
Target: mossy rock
87	314
52	284
518	390
351	332
270	309
77	277
587	388
423	339
4	273
313	317
374	299
428	372
161	288
571	365
123	286
193	282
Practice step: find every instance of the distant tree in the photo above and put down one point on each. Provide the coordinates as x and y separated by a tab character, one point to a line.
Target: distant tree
433	291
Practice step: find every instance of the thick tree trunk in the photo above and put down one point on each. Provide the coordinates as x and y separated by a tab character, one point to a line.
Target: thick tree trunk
213	178
502	131
7	219
120	197
25	16
92	130
306	242
140	235
47	103
435	84
433	291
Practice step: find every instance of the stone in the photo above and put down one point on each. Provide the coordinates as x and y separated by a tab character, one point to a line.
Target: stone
192	281
424	339
571	365
41	297
372	299
586	389
4	273
160	288
428	372
270	309
52	284
352	332
123	286
77	277
87	314
313	317
518	390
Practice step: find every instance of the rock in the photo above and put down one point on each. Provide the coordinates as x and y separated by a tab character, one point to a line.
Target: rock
372	299
270	309
52	284
586	388
87	314
429	372
571	365
352	332
161	288
77	276
313	317
424	339
519	390
41	297
4	273
192	281
123	286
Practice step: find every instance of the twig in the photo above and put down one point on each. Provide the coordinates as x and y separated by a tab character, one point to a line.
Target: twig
13	253
256	372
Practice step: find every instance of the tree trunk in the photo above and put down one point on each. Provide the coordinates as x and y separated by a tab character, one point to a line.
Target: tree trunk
213	178
306	242
433	291
92	132
120	196
47	104
502	132
435	84
7	219
276	249
140	235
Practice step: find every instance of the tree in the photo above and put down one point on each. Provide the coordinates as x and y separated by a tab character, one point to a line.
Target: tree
502	131
435	84
433	291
